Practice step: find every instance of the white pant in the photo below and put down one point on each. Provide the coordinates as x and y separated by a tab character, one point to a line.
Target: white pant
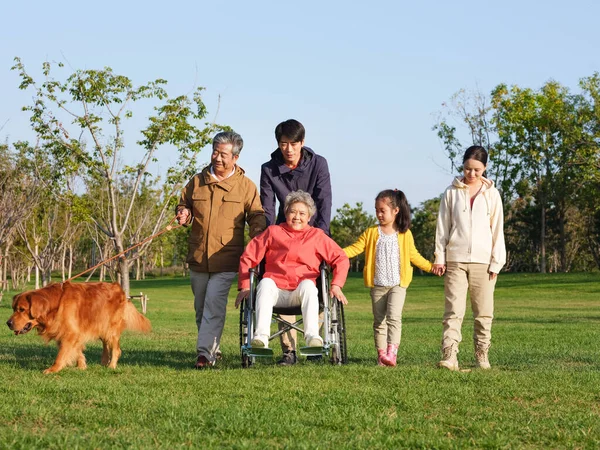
269	295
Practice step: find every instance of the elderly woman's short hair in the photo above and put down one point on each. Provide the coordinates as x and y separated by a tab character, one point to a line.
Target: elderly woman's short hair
229	137
300	197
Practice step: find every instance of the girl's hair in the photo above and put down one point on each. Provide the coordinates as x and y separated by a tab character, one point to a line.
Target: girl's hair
398	200
476	152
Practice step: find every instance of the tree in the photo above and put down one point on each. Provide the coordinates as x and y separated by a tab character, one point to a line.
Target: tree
80	122
347	226
423	226
547	132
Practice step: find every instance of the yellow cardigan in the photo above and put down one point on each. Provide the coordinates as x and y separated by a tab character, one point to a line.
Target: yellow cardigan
408	252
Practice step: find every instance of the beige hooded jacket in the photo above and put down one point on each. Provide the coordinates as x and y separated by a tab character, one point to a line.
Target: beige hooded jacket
471	235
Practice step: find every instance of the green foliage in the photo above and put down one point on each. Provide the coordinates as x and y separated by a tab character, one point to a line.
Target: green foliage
423	226
347	226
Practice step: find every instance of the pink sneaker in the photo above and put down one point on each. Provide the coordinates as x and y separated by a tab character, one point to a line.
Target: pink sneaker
390	358
380	357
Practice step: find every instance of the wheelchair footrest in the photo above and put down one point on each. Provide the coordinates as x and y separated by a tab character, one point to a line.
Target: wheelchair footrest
311	351
259	352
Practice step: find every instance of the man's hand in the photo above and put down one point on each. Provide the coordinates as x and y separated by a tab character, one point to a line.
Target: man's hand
438	269
242	295
493	275
336	292
182	216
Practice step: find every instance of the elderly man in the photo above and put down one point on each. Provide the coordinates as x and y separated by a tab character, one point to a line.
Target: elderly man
217	202
294	166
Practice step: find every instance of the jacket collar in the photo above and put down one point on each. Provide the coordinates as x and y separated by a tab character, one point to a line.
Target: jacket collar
307	155
289	229
227	183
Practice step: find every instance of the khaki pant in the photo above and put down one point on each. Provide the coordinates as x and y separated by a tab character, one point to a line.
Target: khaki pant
474	278
288	339
210	302
387	303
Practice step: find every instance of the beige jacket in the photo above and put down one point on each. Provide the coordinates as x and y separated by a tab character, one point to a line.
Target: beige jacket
471	235
220	210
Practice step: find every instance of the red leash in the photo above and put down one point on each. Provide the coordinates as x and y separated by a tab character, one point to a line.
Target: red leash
167	228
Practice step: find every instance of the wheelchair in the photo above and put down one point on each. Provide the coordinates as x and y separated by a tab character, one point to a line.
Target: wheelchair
333	330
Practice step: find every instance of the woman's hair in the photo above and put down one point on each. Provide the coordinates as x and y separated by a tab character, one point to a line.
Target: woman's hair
398	200
300	196
476	152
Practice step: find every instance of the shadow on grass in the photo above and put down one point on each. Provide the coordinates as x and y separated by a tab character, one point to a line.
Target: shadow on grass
40	357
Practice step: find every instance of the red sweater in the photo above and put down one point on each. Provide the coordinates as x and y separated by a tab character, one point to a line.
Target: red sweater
292	256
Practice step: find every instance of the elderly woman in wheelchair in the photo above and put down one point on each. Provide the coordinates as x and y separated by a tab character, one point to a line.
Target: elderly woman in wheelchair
293	254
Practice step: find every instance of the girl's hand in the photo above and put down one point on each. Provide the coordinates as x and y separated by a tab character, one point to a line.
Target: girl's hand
438	269
242	295
336	292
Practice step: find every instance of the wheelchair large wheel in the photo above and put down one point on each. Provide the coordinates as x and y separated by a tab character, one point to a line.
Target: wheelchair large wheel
339	352
247	361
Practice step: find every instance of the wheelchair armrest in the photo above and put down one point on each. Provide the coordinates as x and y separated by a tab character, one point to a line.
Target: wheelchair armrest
325	266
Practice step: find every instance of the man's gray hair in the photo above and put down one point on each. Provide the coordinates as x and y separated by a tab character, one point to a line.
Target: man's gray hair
229	137
300	196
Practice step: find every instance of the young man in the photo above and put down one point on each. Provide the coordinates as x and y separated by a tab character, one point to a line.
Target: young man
294	167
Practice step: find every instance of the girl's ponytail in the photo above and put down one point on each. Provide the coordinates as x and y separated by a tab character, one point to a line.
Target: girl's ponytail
398	200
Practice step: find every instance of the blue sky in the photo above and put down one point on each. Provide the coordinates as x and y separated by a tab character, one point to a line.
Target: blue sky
366	79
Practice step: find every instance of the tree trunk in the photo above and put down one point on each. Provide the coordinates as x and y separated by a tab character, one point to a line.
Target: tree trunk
37	270
543	233
563	239
70	259
63	269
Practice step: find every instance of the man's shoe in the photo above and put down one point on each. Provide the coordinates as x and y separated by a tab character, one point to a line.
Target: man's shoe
481	357
203	363
288	359
449	357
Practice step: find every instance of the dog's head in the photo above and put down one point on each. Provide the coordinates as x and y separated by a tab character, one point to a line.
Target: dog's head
29	311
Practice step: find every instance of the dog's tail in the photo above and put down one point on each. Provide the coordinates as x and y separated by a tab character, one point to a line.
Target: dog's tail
134	320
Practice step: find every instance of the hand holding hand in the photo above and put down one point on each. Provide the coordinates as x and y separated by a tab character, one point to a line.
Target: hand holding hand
336	292
242	295
438	269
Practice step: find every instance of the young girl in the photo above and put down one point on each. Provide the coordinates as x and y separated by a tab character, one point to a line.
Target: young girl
469	247
389	251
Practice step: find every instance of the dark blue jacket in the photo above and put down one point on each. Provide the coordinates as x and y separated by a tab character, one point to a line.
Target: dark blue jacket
312	176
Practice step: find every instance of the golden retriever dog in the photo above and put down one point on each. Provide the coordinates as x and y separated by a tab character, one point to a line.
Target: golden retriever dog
75	313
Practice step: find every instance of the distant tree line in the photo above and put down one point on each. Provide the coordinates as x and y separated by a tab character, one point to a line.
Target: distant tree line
69	201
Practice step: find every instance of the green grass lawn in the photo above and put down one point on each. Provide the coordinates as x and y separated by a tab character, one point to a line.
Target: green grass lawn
542	392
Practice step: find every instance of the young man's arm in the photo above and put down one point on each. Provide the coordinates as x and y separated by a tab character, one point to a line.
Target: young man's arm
267	195
322	196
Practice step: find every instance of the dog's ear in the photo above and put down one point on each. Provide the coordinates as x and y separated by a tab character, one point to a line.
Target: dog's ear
15	299
38	305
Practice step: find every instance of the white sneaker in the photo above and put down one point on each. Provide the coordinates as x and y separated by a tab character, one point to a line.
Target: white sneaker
314	341
259	342
481	358
449	357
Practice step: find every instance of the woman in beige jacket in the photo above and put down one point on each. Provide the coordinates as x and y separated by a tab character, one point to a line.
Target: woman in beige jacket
469	248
